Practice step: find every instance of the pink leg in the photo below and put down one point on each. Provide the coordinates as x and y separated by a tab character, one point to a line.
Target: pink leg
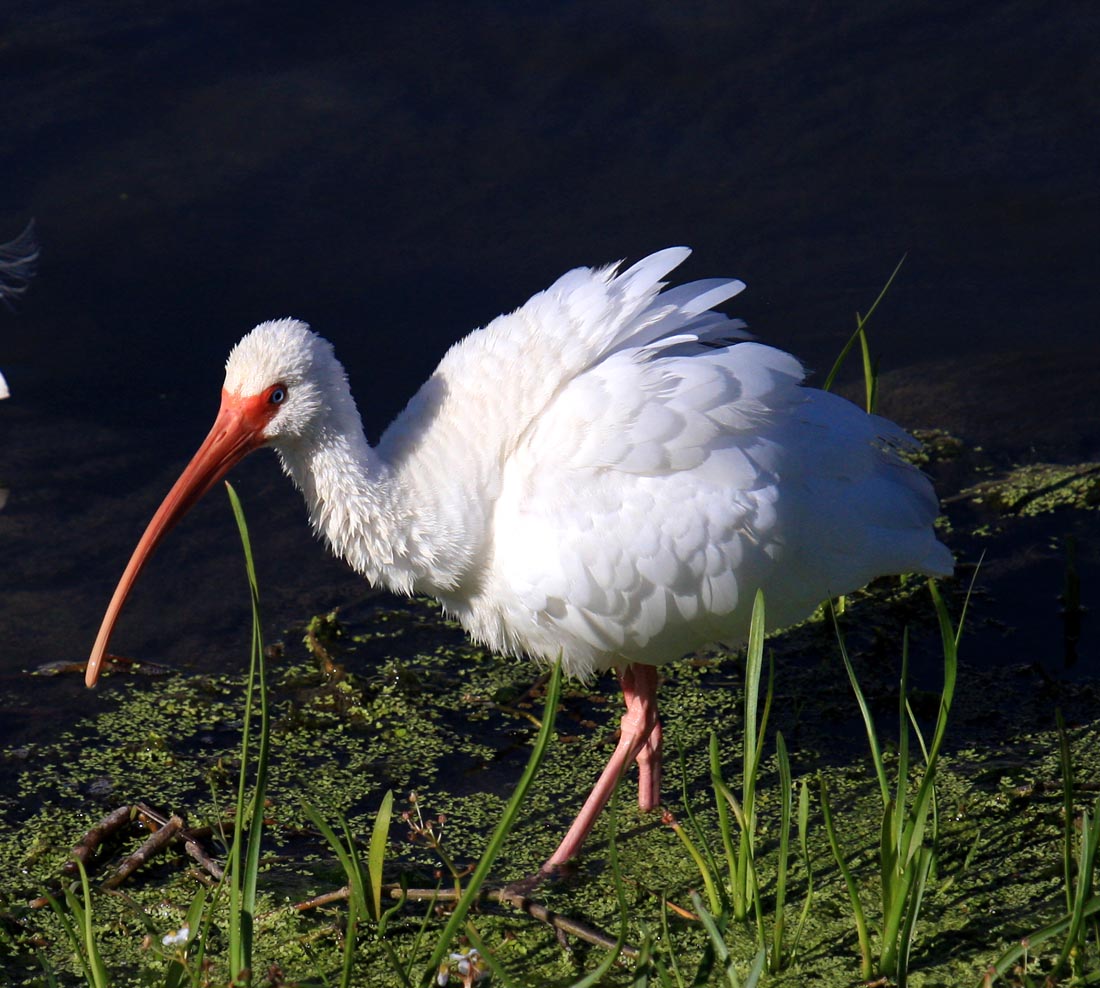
640	740
649	758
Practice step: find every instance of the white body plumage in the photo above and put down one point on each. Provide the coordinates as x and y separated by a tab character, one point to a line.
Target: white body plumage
609	473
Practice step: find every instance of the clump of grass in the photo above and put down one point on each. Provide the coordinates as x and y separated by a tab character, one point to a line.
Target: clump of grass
738	898
909	830
365	886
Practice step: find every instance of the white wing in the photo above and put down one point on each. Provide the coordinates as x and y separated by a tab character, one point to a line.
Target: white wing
660	490
449	447
634	474
643	503
499	380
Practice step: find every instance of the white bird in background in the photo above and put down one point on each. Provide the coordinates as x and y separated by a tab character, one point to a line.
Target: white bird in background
18	261
607	474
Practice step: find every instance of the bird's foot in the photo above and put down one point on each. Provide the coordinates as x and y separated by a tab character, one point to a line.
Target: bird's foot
523	887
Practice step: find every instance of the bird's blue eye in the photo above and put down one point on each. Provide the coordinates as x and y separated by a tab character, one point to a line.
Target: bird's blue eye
278	396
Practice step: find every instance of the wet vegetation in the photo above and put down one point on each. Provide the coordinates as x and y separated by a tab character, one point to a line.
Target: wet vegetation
902	790
907	831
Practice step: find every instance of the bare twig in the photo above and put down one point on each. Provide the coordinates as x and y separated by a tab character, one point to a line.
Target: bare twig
322	900
158	840
85	848
563	924
191	838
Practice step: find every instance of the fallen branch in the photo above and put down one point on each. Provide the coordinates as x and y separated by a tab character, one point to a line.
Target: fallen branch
84	849
158	840
562	924
191	841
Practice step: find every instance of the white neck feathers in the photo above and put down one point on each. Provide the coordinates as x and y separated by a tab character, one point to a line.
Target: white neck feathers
385	521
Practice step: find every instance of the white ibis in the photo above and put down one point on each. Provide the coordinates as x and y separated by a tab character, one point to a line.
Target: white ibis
607	474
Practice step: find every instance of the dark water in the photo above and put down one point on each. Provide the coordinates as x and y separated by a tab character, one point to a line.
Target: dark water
397	176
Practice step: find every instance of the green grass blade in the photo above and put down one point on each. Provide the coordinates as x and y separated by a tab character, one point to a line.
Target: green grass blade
717	942
1067	807
1033	941
803	844
666	936
98	970
395	962
705	872
257	682
347	968
707	863
776	959
756	972
724	829
893	919
1090	837
646	962
922	802
48	972
865	711
853	890
499	974
742	894
358	874
917	732
244	864
888	859
830	378
345	853
902	791
861	322
75	937
935	797
74	923
754	664
205	923
504	828
377	853
422	930
178	974
922	869
870	369
398	905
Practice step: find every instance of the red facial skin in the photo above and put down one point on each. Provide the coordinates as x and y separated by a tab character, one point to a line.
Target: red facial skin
238	430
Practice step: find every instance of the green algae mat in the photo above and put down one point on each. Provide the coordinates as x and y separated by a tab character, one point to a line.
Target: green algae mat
390	696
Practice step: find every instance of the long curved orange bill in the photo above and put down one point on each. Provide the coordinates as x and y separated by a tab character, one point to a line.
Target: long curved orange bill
237	431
